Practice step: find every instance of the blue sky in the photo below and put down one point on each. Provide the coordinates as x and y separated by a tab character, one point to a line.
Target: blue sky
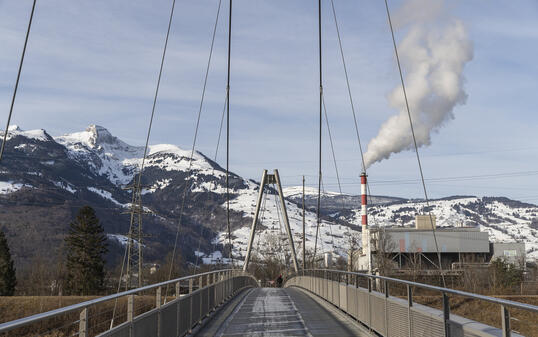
97	62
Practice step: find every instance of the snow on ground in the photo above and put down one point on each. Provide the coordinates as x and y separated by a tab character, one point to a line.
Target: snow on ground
208	186
121	239
172	158
271	237
158	185
214	258
116	156
298	190
105	195
503	223
14	131
10	187
63	185
119	161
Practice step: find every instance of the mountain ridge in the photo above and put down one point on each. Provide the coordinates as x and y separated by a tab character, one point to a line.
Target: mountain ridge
91	166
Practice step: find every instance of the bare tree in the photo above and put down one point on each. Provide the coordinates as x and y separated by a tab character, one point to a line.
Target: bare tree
384	247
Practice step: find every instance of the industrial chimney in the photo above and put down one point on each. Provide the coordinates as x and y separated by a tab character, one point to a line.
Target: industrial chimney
364	214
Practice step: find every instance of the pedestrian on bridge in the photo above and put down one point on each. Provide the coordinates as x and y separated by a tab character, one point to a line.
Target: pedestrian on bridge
279	281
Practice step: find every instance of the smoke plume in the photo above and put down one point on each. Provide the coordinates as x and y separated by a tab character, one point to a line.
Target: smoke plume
433	54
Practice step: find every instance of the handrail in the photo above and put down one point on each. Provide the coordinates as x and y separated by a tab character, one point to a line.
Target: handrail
53	313
513	304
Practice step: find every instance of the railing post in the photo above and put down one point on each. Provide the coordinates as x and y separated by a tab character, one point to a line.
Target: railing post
446	314
505	315
409	305
83	323
190	302
370	303
158	297
178	312
130	308
386	286
130	313
200	286
158	301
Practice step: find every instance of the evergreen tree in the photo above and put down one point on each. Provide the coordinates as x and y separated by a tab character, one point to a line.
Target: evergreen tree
86	245
8	279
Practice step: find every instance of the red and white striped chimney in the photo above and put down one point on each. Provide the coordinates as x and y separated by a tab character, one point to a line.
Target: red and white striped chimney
364	213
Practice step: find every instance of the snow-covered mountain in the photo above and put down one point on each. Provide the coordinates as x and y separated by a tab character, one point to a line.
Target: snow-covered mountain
44	180
93	166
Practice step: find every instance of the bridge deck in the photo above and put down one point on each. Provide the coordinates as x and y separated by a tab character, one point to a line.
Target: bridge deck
280	312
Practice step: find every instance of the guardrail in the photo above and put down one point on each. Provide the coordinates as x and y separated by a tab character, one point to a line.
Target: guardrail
165	316
367	298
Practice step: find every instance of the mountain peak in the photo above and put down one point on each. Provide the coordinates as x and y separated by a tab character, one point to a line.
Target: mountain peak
100	135
95	136
14	128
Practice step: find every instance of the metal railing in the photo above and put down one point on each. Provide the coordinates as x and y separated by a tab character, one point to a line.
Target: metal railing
368	299
174	316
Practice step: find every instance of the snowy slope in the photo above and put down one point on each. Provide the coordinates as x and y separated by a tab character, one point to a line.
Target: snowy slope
505	220
271	237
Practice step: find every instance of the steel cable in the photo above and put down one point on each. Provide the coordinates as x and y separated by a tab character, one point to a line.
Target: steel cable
414	140
137	190
6	131
228	135
199	114
320	132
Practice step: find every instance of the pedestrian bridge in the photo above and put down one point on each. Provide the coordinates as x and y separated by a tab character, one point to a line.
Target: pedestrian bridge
311	303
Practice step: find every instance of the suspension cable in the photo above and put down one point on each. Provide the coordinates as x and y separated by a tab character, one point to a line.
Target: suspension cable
262	220
355	123
228	136
215	158
348	85
330	226
279	235
320	132
6	131
200	111
189	169
220	128
414	141
139	182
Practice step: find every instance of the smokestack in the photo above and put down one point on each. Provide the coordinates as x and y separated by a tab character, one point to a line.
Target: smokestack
364	214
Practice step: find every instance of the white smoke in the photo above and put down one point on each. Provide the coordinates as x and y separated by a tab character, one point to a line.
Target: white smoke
433	54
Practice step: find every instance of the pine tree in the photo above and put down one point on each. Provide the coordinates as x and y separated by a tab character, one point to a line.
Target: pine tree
86	245
8	279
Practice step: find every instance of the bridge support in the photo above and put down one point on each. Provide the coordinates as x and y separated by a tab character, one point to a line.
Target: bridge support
271	179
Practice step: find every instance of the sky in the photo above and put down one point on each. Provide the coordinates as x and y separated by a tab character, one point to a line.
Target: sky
96	62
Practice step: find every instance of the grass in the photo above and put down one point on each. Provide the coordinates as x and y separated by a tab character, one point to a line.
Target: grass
15	307
523	322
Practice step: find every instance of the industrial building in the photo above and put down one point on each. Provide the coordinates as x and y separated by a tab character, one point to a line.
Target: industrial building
416	248
421	247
